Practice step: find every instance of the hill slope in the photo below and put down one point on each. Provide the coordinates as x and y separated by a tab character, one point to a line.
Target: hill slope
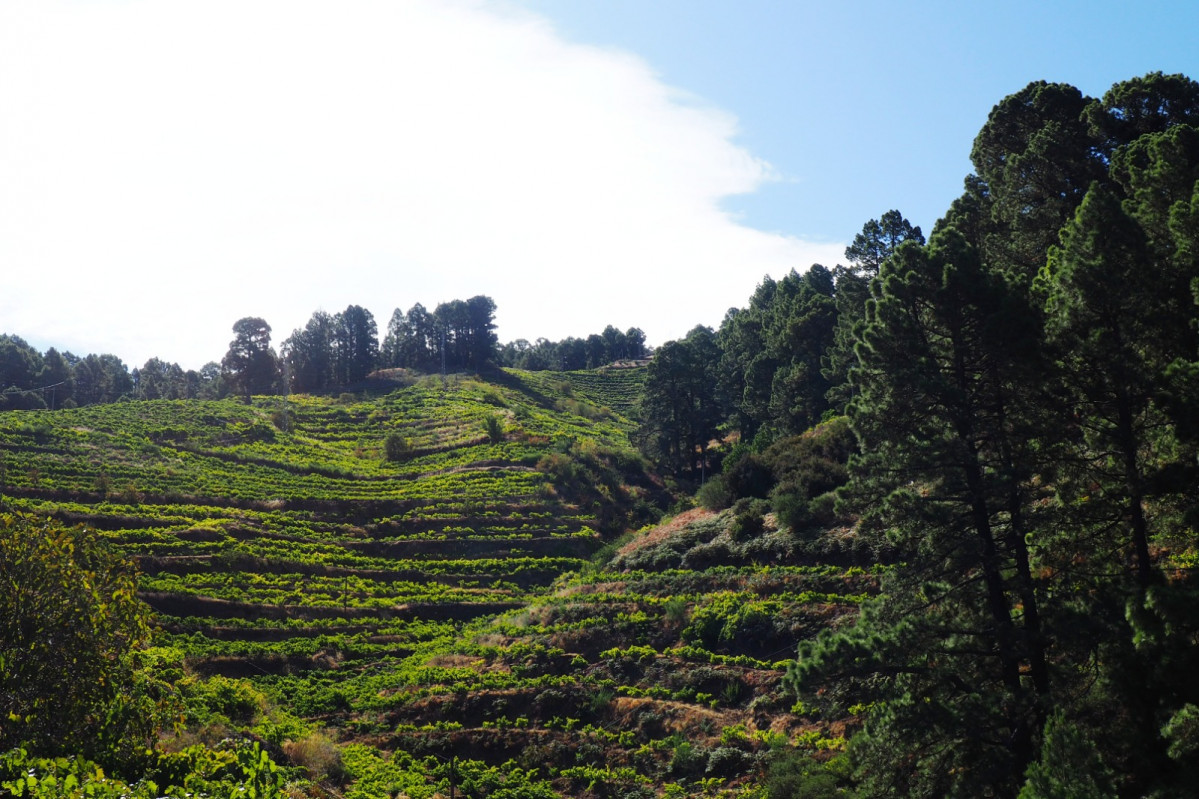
441	602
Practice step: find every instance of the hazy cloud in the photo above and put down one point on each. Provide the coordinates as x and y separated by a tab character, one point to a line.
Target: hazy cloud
168	167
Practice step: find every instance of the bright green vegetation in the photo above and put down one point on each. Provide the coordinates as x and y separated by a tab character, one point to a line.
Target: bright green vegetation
946	544
387	621
372	617
617	388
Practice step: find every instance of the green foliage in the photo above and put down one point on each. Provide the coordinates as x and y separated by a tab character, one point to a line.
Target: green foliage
814	462
715	494
730	619
396	447
747	521
797	775
1021	401
302	568
749	476
235	701
70	630
458	334
799	474
875	244
1070	766
373	774
494	428
250	365
770	354
674	611
679	408
571	354
235	768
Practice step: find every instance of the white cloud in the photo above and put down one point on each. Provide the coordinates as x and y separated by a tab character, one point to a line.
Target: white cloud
169	166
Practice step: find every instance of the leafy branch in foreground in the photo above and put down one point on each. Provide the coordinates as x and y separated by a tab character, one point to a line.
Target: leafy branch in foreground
71	628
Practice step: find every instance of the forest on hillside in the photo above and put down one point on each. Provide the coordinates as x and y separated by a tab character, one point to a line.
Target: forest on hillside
998	417
1021	388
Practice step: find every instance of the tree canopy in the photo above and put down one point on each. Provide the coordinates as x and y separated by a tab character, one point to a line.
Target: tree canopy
70	627
251	365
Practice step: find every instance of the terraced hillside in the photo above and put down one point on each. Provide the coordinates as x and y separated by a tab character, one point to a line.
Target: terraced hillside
413	572
616	387
646	677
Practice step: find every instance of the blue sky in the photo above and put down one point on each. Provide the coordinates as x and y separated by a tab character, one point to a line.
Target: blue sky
867	106
170	166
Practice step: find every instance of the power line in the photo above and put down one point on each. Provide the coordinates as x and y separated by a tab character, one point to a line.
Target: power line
12	390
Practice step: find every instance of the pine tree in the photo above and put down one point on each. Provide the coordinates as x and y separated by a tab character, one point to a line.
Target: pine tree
957	641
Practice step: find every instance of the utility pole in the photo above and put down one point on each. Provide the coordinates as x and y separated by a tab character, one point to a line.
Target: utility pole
286	396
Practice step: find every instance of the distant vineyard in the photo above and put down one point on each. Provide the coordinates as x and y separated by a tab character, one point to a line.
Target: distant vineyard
439	598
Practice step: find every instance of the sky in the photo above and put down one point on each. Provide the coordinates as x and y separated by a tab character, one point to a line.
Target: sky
168	167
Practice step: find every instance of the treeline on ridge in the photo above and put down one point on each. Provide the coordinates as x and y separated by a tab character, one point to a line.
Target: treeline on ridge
332	352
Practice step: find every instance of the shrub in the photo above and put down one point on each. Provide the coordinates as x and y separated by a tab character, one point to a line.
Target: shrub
495	430
802	515
396	447
750	476
281	418
674	611
792	509
793	775
815	462
715	494
726	619
317	755
493	397
746	525
727	761
686	760
236	700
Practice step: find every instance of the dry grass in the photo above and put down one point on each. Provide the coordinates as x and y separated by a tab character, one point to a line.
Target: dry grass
667	529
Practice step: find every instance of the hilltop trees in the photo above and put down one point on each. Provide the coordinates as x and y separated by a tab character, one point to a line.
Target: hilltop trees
20	365
56	375
250	365
679	409
770	373
101	378
160	380
866	254
331	352
355	345
412	339
29	380
308	354
461	333
598	349
467	329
